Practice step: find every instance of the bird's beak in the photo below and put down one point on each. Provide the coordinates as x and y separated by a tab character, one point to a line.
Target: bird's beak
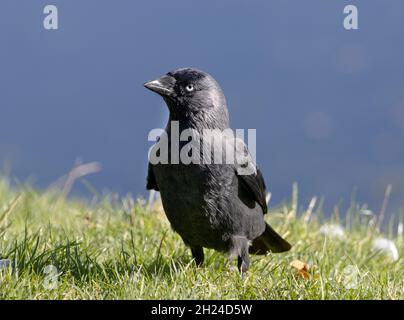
164	86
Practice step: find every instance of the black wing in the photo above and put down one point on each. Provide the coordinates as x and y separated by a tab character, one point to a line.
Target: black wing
151	179
255	185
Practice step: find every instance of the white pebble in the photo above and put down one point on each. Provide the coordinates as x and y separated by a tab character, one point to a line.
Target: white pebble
332	231
386	247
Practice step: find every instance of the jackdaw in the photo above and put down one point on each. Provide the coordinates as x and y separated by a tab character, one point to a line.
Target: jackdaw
210	205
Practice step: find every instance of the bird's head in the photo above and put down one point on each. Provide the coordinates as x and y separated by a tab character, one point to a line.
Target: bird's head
190	92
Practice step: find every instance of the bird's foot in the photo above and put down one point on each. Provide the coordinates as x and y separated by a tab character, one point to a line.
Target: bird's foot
197	254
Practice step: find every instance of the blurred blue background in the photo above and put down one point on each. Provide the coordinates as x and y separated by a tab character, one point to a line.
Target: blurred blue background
328	104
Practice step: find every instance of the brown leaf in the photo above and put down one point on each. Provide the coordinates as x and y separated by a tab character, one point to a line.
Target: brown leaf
301	268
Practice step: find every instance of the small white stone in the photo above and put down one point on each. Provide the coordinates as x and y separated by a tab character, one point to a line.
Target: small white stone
332	231
386	247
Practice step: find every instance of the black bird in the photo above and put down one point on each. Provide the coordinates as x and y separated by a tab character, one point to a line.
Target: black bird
209	205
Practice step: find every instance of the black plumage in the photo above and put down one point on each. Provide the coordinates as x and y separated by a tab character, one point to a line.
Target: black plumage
209	205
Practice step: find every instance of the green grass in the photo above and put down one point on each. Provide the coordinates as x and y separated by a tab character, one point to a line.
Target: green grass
121	248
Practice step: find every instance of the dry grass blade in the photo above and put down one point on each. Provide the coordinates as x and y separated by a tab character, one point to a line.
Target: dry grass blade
9	208
384	205
310	209
79	170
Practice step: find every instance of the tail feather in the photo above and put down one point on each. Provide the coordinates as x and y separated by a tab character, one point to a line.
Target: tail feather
269	241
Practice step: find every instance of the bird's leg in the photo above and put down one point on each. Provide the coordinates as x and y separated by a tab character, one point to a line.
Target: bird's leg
239	263
243	261
197	253
239	246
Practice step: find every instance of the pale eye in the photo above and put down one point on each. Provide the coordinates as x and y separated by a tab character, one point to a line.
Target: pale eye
190	87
